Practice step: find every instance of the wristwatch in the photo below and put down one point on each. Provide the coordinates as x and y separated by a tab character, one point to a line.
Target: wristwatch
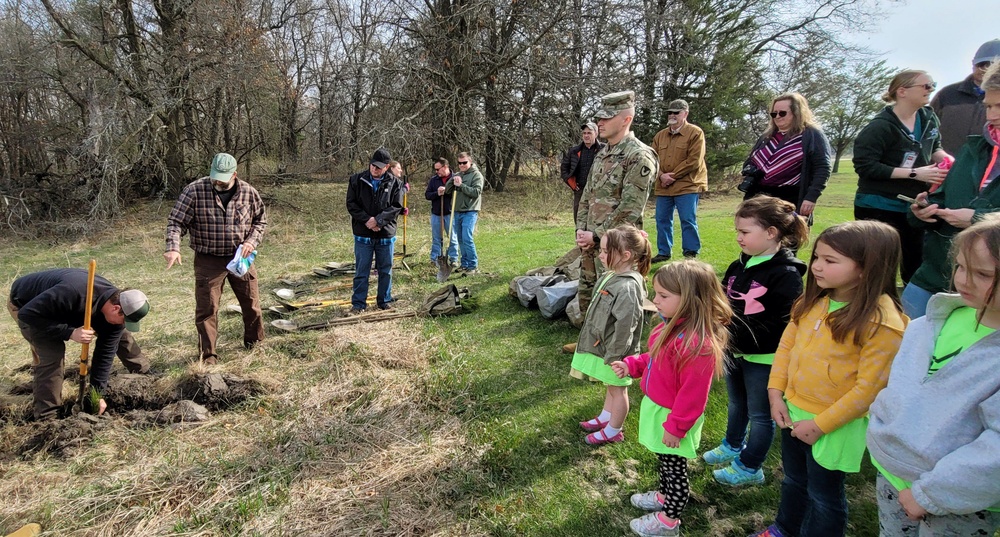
913	173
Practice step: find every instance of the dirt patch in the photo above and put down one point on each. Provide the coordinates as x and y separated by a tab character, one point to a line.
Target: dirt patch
60	437
218	391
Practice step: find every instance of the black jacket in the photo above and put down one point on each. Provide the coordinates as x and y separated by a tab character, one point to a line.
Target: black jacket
758	331
815	165
440	205
577	162
52	303
363	202
960	108
882	145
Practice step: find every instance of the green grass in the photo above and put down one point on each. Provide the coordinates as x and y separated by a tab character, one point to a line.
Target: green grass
498	370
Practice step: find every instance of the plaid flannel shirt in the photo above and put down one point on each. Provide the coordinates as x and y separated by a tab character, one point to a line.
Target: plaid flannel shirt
215	229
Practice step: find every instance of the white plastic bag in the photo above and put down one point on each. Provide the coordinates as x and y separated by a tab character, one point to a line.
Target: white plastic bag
240	265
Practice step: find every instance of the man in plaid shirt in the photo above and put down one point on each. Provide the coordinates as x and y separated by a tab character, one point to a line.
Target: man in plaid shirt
223	214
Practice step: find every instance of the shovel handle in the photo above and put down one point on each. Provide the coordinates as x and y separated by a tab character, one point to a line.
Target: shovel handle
84	350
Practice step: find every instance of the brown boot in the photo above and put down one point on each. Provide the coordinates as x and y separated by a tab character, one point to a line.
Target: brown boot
569	348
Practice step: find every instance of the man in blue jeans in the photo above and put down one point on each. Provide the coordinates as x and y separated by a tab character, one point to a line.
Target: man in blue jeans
467	185
374	200
683	176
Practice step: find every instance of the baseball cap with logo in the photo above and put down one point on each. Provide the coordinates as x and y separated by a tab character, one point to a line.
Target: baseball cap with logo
380	158
613	103
223	167
677	105
135	306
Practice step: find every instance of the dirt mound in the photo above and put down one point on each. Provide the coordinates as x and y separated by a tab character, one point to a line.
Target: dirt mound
218	391
179	415
60	437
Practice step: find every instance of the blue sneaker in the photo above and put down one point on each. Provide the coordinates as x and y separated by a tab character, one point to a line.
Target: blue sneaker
723	454
736	475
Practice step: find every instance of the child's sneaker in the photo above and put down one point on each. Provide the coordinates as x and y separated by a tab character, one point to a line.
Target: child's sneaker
771	531
647	501
736	475
723	454
593	425
598	438
650	525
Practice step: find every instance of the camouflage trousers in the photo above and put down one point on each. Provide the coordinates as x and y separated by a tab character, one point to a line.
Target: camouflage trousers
590	267
892	521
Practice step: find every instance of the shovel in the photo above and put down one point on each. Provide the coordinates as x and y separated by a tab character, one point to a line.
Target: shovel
444	266
290	294
91	272
290	326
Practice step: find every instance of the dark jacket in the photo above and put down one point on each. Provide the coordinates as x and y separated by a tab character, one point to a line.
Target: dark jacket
385	204
960	108
815	165
960	190
440	205
577	162
53	303
882	145
760	319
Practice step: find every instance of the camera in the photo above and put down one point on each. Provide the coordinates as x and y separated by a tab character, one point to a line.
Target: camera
751	174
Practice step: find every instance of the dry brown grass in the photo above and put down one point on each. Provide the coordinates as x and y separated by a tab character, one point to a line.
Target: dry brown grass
345	441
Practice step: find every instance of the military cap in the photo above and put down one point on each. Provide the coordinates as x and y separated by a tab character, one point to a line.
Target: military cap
613	103
677	105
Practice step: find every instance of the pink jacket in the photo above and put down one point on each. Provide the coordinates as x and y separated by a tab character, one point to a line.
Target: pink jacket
684	392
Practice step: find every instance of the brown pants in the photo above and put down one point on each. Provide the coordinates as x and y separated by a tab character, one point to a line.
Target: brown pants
210	275
48	360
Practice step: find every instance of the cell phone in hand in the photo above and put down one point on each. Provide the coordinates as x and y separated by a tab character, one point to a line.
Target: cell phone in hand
920	203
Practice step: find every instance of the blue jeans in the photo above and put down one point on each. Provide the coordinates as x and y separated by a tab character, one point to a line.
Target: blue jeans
746	384
382	250
813	502
915	300
465	226
436	239
687	211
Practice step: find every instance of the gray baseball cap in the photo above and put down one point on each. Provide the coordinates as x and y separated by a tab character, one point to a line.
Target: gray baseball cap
613	103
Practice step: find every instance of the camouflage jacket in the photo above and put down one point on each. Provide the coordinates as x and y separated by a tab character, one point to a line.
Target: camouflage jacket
618	186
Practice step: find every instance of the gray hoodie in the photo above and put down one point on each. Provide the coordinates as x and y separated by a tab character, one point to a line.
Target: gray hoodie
942	433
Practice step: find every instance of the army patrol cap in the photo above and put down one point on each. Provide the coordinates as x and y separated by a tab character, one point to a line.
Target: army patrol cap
613	103
677	105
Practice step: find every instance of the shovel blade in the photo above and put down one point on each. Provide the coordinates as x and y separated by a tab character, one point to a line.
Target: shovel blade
286	294
444	268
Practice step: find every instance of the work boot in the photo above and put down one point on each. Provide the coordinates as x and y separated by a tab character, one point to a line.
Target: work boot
660	258
569	348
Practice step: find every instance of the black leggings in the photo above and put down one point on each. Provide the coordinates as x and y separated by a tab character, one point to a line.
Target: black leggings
673	484
911	239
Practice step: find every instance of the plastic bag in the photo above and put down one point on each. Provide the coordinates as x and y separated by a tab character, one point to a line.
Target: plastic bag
239	266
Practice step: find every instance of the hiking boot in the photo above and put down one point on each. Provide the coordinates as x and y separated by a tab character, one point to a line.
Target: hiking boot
736	475
723	454
660	258
593	425
384	307
599	438
468	271
647	501
649	525
771	531
356	311
569	348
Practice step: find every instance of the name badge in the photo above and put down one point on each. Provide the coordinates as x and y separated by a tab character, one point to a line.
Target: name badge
909	159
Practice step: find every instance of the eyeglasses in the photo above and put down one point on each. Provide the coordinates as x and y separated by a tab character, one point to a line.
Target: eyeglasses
673	112
983	65
929	87
439	168
779	113
463	162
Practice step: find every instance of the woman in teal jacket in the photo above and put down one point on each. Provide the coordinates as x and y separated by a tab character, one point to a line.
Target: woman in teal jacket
970	191
896	154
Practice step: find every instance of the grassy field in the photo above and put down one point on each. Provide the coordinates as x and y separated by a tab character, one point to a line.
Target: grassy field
455	426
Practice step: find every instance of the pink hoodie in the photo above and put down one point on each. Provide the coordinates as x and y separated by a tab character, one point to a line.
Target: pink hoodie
684	392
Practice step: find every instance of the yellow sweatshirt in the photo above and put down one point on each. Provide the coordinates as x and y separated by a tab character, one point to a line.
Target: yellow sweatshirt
835	381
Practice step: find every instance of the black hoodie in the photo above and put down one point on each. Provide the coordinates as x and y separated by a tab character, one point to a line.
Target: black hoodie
760	319
52	303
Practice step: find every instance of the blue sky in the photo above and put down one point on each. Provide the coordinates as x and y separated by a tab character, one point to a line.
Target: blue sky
938	36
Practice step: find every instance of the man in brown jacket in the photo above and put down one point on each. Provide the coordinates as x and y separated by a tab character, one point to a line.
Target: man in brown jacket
683	176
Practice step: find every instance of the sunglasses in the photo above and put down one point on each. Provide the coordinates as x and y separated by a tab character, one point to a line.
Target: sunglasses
983	65
463	162
929	87
779	113
673	112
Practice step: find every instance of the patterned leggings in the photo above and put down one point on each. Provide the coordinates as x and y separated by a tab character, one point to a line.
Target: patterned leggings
673	484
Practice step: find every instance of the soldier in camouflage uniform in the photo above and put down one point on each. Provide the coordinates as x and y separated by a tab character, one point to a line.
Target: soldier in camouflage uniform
617	188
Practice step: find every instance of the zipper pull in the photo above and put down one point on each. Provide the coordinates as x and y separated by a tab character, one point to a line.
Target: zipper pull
818	322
